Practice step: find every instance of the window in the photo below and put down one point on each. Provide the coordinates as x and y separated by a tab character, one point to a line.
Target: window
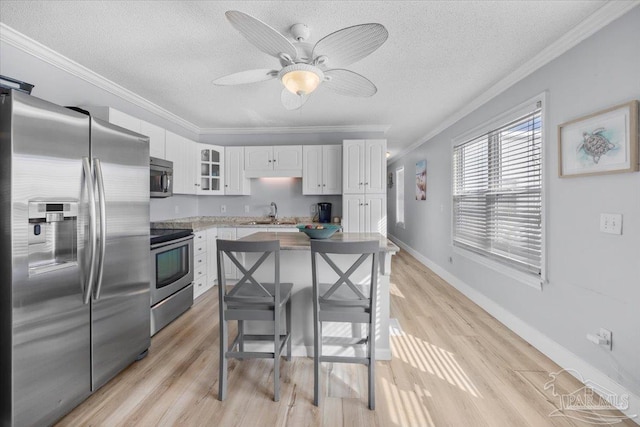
400	196
497	192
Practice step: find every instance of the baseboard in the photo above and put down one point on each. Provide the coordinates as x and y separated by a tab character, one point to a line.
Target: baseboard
550	348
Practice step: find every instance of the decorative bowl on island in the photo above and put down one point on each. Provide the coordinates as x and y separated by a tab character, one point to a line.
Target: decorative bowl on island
318	231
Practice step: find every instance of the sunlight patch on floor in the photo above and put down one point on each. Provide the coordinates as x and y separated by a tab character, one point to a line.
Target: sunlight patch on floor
432	359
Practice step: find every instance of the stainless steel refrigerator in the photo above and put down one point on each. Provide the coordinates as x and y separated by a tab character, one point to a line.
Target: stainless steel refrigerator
74	251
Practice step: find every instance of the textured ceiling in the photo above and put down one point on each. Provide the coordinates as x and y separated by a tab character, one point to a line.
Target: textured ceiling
439	56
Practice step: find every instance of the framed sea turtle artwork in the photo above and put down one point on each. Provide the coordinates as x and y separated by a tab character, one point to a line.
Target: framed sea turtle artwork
600	143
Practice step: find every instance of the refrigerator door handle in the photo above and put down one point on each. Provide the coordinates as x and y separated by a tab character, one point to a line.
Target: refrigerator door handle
86	166
103	225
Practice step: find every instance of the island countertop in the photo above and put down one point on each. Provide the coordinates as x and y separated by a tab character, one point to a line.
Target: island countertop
301	242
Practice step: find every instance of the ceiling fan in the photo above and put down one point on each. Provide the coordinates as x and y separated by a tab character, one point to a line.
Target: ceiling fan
306	66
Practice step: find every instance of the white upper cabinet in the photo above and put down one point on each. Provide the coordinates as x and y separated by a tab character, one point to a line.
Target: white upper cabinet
209	169
265	161
235	182
364	166
156	136
181	151
155	133
322	169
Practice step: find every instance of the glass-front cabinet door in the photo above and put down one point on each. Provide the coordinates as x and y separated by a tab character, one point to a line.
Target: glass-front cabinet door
210	168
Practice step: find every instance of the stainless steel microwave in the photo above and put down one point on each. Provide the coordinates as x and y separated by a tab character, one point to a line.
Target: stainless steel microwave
161	177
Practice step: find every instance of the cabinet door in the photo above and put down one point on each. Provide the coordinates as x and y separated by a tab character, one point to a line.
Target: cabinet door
353	213
353	166
258	159
375	211
375	161
331	169
181	152
212	260
287	157
156	136
210	169
230	270
312	169
235	182
124	120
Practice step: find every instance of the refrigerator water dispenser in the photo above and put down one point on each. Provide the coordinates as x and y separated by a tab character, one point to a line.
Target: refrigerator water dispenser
52	236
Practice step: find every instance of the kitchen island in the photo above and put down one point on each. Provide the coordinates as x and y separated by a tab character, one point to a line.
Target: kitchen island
295	267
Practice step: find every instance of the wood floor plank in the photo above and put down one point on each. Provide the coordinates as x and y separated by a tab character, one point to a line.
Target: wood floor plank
453	365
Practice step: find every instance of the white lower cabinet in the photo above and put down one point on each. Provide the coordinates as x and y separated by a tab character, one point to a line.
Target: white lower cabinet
200	269
364	213
228	233
212	253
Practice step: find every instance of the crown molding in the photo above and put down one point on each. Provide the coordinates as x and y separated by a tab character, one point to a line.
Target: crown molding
295	130
50	56
594	23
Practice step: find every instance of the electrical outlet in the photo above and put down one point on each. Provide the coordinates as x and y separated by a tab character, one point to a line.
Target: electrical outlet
246	208
603	337
223	208
611	223
313	208
607	335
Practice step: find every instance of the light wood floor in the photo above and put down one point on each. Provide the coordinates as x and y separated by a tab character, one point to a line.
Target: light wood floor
453	365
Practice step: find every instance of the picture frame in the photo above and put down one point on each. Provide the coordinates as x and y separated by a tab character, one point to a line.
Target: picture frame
600	143
421	180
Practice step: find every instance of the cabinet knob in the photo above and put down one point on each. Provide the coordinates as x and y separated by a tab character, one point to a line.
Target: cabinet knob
360	184
269	161
324	185
318	185
361	204
226	185
197	185
366	204
366	183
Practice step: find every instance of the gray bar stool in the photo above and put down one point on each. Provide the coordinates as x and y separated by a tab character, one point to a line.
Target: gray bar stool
250	299
344	301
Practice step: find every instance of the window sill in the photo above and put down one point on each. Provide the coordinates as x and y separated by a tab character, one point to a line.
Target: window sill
517	275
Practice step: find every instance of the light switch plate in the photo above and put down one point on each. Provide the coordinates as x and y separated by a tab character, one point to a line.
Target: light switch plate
223	208
611	223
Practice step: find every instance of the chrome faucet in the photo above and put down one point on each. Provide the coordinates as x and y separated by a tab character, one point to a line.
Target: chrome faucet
274	215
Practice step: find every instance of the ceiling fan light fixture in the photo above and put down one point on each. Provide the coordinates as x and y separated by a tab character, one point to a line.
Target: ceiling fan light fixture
301	79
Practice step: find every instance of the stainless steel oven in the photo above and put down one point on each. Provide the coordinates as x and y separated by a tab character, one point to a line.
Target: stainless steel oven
171	275
160	177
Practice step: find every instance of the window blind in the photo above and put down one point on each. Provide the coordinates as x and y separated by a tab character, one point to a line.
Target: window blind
400	195
497	193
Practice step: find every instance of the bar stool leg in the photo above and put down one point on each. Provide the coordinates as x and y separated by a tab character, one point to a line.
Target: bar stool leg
240	336
288	316
222	385
276	356
371	343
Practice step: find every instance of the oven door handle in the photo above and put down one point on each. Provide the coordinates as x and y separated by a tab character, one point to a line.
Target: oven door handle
171	242
103	225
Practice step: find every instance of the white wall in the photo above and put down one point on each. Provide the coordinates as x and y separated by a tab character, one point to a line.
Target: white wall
594	278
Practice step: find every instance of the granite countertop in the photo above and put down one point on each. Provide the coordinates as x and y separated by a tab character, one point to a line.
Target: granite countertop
301	242
198	223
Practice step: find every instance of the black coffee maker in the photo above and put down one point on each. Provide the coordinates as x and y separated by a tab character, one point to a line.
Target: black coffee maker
324	212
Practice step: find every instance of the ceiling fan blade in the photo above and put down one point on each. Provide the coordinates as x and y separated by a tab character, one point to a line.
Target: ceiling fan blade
291	101
243	77
348	83
261	35
351	44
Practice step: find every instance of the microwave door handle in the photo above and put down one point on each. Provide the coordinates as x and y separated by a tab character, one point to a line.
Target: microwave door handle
165	182
86	166
103	225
